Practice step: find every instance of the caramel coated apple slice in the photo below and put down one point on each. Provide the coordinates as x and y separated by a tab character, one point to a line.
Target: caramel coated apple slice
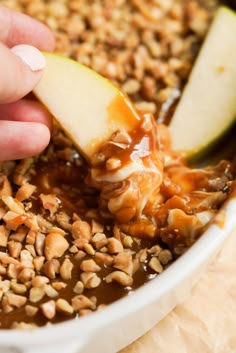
88	107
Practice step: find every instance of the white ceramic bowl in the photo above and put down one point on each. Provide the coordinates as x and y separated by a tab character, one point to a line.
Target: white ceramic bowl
127	319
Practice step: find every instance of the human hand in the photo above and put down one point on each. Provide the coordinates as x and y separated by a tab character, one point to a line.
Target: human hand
24	124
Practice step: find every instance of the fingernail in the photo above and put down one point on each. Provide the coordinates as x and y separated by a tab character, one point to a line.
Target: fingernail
31	56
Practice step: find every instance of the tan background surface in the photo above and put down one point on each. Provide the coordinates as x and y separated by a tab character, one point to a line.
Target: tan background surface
206	321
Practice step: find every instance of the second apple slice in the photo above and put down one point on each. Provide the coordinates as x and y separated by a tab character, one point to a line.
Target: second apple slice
207	108
87	106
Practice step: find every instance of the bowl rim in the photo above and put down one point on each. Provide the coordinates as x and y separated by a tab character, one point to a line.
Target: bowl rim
145	295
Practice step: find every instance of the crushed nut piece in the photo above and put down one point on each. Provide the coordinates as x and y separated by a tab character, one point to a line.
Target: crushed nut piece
89	266
155	250
50	202
120	277
66	269
16	300
31	310
39	281
14	248
89	249
90	280
81	302
103	259
165	257
49	309
55	246
123	261
26	275
84	312
81	230
63	306
51	268
50	291
99	240
36	294
4	233
59	285
155	264
18	288
114	246
78	288
25	191
97	227
38	262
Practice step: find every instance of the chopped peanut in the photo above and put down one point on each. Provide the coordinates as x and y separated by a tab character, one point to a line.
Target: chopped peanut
97	227
50	291
155	264
26	259
39	281
31	310
14	248
13	205
18	288
59	285
55	246
49	309
39	243
16	300
103	259
120	277
58	237
89	266
89	249
81	230
36	294
81	302
13	271
51	268
66	269
25	191
50	202
99	240
26	275
114	246
165	257
63	306
79	287
4	233
90	280
123	261
38	262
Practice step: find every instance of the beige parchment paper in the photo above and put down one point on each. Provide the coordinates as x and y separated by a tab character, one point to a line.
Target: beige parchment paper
206	321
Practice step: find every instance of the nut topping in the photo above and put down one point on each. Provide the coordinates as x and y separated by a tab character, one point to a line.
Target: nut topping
68	239
55	246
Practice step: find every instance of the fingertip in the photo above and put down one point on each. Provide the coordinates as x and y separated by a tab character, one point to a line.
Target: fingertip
20	140
22	69
51	42
43	138
37	137
26	110
30	56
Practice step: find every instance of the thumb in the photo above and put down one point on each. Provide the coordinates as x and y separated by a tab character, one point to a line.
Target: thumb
20	70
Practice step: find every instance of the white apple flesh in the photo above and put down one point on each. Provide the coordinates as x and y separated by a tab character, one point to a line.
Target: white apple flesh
207	108
88	107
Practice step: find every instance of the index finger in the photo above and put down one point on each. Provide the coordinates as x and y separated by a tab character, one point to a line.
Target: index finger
17	28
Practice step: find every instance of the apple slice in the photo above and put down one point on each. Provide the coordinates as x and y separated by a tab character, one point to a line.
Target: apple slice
207	108
88	107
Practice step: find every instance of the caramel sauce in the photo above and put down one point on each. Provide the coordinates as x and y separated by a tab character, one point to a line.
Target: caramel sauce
121	112
67	181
